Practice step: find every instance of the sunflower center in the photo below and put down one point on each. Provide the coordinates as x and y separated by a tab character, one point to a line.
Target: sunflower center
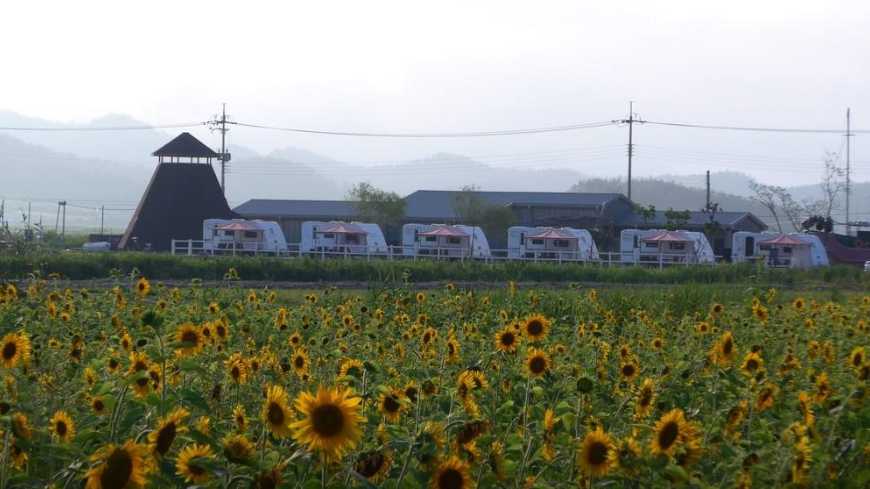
299	361
597	454
391	404
165	437
195	469
328	420
189	337
537	365
119	468
275	414
728	346
9	350
535	327
507	339
98	405
450	479
60	428
752	364
645	397
857	360
628	370
370	465
668	435
142	381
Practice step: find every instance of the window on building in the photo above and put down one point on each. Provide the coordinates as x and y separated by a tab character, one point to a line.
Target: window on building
537	242
328	236
250	234
749	246
678	246
352	239
430	239
561	243
453	240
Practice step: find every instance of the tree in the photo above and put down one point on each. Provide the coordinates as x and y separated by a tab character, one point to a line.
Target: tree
676	219
647	213
765	195
386	209
471	209
832	184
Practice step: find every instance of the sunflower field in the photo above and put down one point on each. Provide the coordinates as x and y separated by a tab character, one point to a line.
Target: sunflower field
141	385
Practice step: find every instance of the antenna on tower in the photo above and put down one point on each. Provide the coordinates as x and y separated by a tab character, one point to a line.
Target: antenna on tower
848	169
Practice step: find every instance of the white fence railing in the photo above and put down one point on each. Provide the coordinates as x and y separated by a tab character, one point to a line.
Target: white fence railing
194	247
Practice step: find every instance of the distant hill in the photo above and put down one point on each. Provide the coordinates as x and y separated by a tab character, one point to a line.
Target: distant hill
667	194
729	182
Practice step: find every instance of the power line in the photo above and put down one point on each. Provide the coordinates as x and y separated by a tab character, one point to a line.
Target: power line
507	132
755	129
103	128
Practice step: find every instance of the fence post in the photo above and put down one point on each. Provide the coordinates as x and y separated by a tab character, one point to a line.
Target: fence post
189	247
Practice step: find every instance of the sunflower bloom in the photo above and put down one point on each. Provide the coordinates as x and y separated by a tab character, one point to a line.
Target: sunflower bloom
276	412
536	327
119	466
189	464
168	428
62	427
14	349
597	454
537	362
330	421
453	473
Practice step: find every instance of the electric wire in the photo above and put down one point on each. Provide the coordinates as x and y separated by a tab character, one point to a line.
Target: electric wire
506	132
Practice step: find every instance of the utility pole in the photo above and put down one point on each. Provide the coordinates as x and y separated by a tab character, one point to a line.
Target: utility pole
63	221
102	219
630	121
220	124
708	190
848	168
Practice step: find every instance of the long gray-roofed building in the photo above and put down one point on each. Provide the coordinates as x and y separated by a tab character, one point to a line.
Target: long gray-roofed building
604	214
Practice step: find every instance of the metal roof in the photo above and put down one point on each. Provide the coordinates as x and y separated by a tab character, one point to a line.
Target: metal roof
438	204
343	228
329	209
668	236
696	218
448	231
552	233
783	240
186	146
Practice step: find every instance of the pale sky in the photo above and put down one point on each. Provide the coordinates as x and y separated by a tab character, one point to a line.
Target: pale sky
409	66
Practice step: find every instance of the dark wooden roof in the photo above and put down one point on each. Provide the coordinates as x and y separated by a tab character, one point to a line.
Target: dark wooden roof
177	200
186	146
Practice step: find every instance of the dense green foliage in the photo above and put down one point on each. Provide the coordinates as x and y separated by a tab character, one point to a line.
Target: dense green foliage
78	266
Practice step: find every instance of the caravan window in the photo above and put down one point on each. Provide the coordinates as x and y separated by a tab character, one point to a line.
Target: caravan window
453	240
749	246
328	235
537	242
250	234
635	241
430	239
678	246
561	243
522	238
786	249
650	244
352	239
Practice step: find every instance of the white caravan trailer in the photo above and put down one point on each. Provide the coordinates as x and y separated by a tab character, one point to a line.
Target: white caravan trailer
747	247
354	238
551	243
441	240
240	235
659	245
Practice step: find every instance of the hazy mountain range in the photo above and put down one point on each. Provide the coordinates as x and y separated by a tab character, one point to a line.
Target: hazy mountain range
112	168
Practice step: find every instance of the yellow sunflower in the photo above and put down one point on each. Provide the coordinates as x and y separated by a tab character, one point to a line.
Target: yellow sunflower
453	473
723	351
240	418
390	405
98	405
62	426
189	339
276	411
374	465
629	370
351	367
21	426
168	428
237	368
330	421
300	362
646	395
189	463
597	454
752	363
856	357
237	448
15	349
119	466
538	362
506	340
143	287
670	431
536	327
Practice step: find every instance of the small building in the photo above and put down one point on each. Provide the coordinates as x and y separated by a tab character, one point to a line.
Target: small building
350	238
242	236
442	240
290	214
182	193
664	246
551	243
784	251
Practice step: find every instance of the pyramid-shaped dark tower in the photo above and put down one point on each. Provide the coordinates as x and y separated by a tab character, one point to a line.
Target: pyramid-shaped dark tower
183	192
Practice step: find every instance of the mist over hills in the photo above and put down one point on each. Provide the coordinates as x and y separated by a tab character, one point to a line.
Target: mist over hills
93	168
